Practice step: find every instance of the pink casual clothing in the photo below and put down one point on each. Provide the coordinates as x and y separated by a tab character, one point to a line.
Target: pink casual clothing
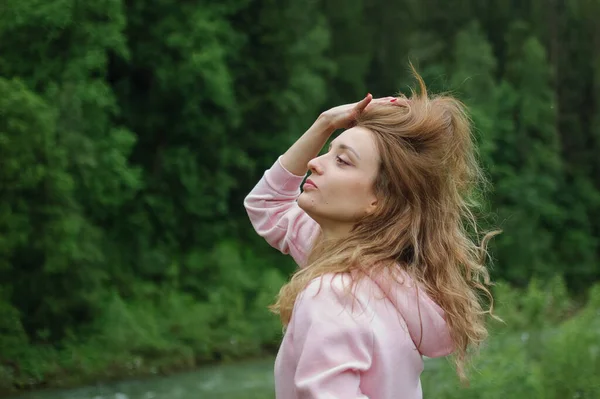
332	349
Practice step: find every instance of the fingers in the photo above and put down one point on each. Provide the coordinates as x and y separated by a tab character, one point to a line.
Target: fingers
389	100
400	101
369	102
362	104
384	99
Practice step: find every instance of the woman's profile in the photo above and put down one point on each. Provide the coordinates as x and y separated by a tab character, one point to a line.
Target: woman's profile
383	234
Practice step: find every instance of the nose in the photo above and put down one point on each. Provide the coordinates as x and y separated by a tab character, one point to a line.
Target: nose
314	165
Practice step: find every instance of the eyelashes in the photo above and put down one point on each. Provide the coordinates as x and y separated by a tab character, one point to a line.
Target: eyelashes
341	160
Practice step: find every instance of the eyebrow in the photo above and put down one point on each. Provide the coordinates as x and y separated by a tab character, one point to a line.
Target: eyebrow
345	147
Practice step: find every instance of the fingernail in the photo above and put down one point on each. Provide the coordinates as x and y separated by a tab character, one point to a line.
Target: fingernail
393	100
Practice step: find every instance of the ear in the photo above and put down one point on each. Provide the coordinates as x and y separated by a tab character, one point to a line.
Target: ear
372	206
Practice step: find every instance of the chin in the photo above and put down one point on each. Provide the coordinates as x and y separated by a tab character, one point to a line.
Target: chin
308	205
305	203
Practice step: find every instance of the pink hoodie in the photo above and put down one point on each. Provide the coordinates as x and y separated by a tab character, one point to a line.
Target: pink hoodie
332	349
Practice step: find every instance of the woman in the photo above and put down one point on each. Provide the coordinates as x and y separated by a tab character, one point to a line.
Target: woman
388	272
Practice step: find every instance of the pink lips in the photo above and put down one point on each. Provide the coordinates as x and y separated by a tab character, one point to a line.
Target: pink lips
309	184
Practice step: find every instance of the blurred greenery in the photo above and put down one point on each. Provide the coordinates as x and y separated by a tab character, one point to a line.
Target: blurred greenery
130	132
548	348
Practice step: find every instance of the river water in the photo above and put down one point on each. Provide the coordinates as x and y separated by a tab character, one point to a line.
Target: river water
242	380
251	379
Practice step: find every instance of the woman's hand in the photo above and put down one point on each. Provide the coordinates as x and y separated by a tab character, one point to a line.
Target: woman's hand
344	116
307	147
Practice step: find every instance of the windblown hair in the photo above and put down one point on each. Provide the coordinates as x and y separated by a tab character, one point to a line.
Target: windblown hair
428	186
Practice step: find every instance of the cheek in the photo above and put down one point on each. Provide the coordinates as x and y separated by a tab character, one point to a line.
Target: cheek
354	191
359	186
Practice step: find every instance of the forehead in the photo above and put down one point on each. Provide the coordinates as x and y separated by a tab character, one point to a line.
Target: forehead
361	140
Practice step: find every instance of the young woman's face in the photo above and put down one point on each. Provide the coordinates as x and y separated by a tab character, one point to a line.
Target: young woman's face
343	181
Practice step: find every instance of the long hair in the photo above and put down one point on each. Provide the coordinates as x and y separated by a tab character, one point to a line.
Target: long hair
428	186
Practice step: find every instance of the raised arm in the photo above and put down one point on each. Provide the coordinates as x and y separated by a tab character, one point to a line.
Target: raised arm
276	216
271	205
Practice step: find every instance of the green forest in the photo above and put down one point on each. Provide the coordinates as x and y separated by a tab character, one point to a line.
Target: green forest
131	131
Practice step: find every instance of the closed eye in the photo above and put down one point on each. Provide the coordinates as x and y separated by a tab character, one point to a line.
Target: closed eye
341	160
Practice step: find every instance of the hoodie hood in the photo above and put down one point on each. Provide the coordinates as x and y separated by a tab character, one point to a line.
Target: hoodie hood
425	319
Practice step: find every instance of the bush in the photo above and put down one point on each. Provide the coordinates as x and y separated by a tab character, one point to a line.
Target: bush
570	364
539	353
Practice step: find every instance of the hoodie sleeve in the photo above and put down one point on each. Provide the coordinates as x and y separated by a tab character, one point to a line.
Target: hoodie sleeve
333	342
276	216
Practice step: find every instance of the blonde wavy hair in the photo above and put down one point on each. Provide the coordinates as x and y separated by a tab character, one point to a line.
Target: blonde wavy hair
428	187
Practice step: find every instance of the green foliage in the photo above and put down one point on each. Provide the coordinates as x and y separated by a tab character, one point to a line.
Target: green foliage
570	364
526	166
14	337
542	352
540	306
473	79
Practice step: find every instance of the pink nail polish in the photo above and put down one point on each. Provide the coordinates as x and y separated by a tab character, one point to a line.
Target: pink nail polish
393	100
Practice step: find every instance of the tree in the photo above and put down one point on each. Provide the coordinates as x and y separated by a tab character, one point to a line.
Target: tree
527	168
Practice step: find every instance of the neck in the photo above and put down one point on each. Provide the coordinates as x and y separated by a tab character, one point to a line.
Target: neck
335	231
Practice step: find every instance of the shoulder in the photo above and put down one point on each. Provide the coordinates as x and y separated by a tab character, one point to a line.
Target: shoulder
334	295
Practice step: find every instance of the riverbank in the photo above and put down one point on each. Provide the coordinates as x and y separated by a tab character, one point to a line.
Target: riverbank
154	332
118	370
252	379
